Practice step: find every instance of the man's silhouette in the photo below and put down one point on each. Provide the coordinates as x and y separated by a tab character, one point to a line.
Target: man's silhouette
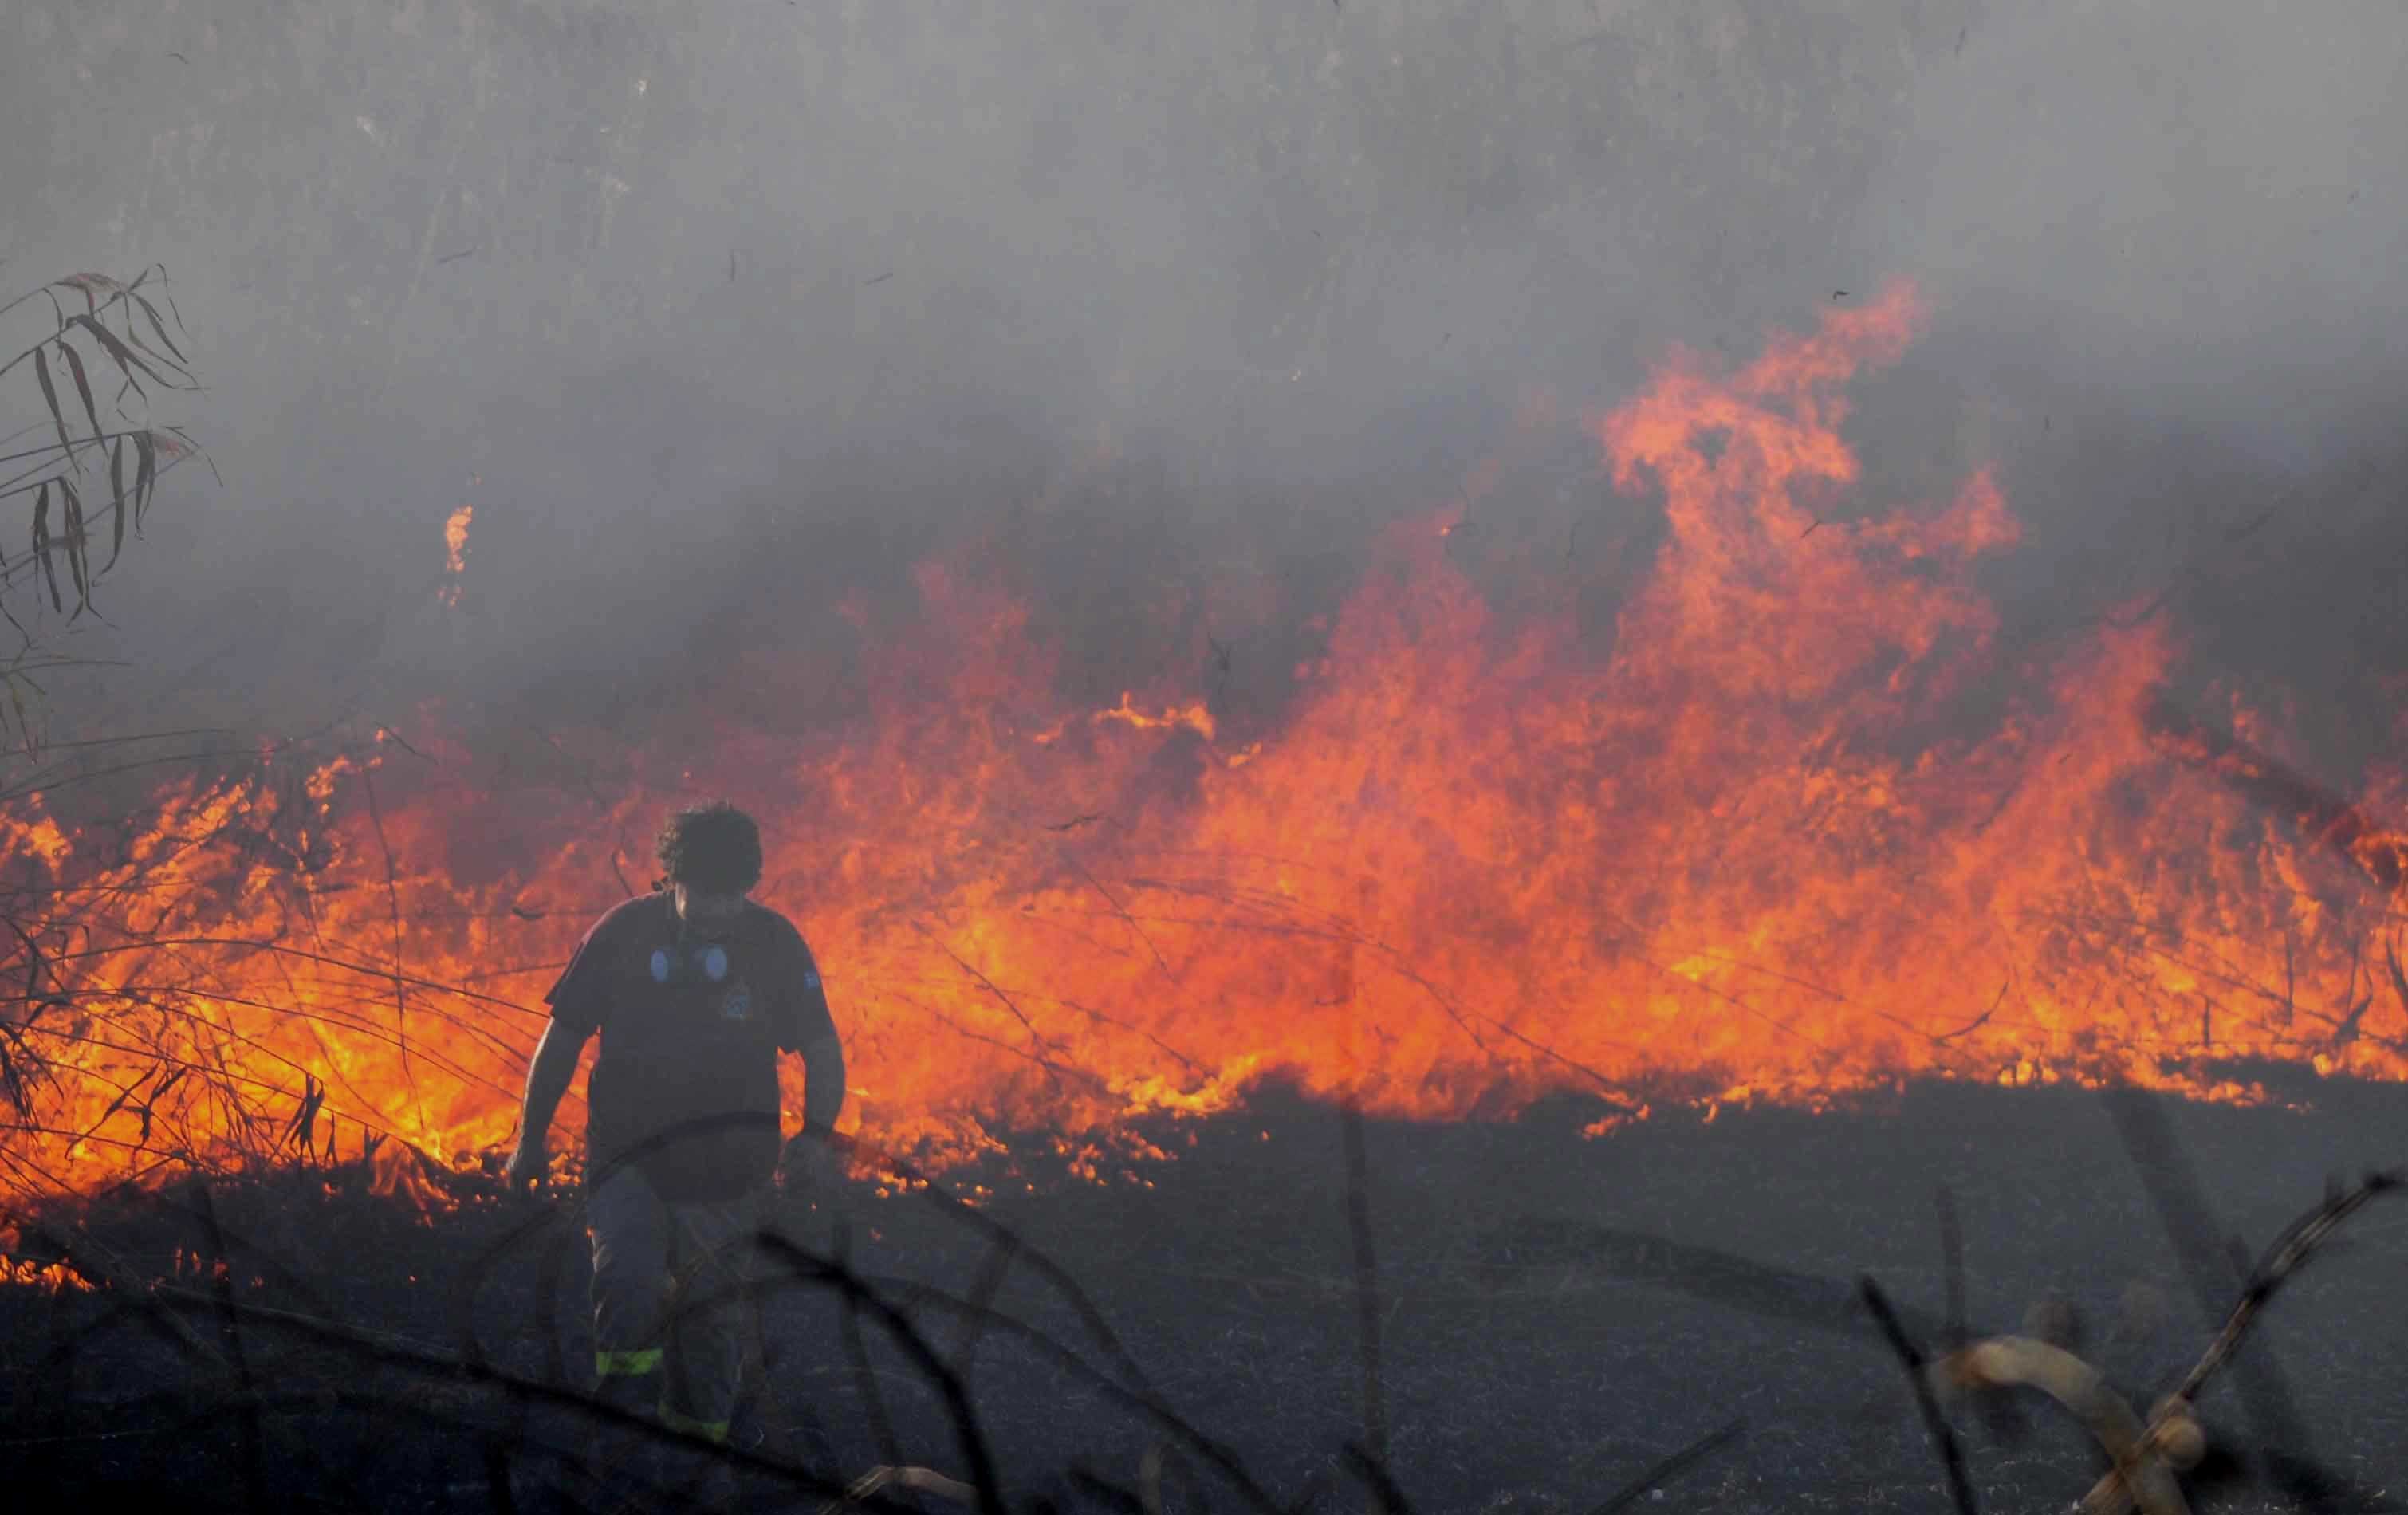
694	989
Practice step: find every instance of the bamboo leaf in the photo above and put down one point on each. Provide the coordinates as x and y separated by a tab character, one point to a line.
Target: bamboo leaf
179	444
134	340
42	545
117	492
73	533
159	329
165	294
51	393
126	357
146	475
83	387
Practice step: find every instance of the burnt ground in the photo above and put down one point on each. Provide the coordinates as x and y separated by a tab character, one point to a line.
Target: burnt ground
1555	1315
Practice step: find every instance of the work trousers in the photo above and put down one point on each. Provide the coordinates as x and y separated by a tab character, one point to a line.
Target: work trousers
669	1316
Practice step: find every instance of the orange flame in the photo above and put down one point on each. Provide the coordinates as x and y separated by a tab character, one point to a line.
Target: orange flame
1792	827
455	551
1193	716
26	1272
455	538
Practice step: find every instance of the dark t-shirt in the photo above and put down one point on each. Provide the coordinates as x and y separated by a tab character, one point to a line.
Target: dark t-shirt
686	1083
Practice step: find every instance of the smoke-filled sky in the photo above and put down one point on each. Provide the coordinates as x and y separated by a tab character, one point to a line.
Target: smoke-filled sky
716	309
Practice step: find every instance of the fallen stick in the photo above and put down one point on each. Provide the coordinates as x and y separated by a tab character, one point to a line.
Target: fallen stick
2289	1253
926	1480
2146	1454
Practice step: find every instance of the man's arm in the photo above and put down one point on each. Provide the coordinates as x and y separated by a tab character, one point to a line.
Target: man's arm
805	1027
548	1077
815	1156
823	1083
813	1164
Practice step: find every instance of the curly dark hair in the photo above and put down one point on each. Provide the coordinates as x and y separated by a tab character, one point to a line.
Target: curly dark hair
714	848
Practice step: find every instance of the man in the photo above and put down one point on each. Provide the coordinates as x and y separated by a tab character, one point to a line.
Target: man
695	989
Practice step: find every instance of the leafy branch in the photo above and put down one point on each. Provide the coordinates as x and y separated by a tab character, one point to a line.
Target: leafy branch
63	470
97	447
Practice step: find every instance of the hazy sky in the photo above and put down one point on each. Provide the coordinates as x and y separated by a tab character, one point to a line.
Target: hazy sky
651	284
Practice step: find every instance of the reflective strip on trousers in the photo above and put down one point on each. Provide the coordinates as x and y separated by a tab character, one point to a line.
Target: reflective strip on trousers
712	1430
671	1277
627	1365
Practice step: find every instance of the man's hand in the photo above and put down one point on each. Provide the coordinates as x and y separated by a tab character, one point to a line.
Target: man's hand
526	1168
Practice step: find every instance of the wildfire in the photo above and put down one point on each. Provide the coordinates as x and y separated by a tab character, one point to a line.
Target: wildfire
1757	844
25	1272
455	551
1193	716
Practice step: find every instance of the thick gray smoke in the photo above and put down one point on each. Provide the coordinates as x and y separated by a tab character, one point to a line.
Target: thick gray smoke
712	309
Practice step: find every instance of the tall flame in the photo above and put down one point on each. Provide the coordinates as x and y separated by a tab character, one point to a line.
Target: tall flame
1796	828
455	551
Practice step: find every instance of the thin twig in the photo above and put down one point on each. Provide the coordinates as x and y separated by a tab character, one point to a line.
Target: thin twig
1673	1468
1943	1439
